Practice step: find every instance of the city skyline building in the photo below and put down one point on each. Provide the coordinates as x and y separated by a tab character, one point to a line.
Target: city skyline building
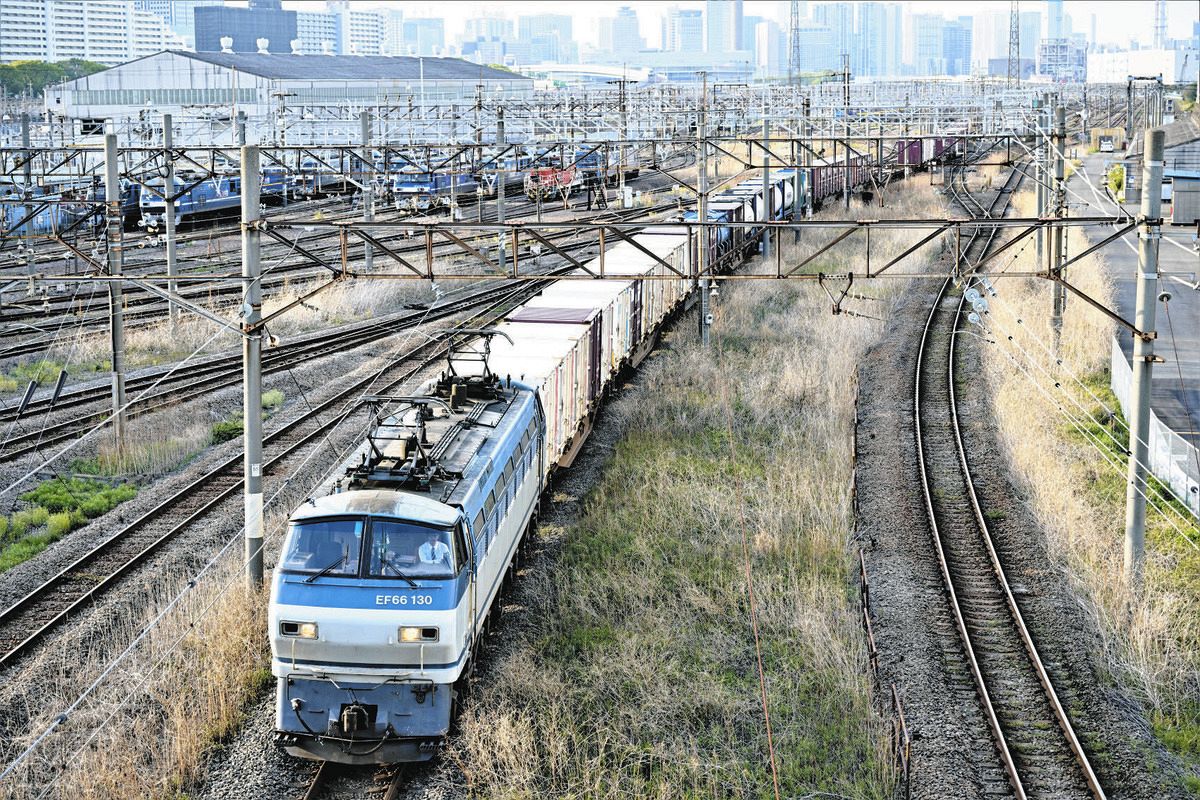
881	39
106	31
926	36
683	30
549	37
770	50
722	26
262	19
178	15
879	42
956	46
622	32
839	18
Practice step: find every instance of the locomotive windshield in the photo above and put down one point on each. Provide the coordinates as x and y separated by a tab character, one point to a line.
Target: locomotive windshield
328	546
403	549
391	549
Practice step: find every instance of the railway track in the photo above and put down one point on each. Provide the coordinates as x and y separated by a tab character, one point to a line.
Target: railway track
210	376
222	371
386	782
46	317
1038	750
74	589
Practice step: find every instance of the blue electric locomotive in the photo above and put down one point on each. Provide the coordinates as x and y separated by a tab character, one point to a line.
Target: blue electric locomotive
511	170
422	191
383	587
44	214
219	194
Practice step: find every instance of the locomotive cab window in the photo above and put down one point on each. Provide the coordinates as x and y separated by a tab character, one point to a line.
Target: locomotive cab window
408	550
330	546
460	546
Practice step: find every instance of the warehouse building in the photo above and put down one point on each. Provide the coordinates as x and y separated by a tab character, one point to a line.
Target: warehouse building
258	84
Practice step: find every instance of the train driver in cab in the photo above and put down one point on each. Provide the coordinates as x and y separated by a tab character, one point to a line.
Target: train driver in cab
434	550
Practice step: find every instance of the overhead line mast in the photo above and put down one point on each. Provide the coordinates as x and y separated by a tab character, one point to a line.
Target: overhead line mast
1014	44
794	45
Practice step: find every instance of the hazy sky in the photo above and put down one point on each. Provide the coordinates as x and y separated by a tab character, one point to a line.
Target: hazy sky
1116	20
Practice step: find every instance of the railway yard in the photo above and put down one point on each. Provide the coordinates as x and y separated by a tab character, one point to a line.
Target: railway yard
770	434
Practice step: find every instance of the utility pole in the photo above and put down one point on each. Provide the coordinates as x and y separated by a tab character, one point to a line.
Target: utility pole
1128	113
368	175
479	149
794	49
252	365
1084	116
797	187
454	162
1058	234
766	190
116	321
500	185
702	210
1143	359
623	111
27	193
169	217
846	173
1039	175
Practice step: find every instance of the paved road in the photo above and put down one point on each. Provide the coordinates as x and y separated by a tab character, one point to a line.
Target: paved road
1175	401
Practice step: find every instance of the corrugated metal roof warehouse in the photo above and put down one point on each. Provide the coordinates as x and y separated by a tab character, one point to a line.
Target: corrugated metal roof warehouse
180	82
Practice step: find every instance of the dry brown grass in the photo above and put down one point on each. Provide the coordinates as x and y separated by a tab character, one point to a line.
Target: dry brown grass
666	709
180	691
344	302
154	445
1150	642
635	676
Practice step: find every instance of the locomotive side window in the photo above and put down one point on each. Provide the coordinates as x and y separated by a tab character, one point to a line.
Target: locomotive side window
327	545
460	546
493	516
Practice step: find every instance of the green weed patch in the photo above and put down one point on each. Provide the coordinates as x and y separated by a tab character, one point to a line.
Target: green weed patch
58	506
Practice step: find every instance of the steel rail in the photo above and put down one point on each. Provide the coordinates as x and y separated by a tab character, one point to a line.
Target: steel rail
143	305
78	585
219	373
317	783
1058	712
225	370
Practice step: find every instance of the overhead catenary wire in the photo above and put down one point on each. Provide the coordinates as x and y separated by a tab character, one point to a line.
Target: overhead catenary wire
1142	490
1092	438
192	583
1060	363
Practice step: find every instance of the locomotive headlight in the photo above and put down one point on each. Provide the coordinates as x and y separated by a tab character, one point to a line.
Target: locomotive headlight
302	630
426	634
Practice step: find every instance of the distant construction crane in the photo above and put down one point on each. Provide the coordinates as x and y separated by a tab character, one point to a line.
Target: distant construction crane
1014	45
794	45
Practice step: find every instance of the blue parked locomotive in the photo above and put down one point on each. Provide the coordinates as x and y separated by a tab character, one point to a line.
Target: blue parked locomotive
421	191
219	194
382	589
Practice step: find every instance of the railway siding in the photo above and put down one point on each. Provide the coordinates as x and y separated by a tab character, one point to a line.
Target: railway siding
916	635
